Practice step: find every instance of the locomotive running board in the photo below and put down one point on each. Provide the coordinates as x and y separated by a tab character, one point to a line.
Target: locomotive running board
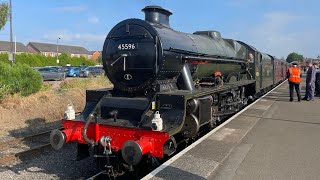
205	91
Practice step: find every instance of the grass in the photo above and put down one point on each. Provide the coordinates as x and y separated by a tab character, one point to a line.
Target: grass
18	111
46	87
86	83
79	83
4	91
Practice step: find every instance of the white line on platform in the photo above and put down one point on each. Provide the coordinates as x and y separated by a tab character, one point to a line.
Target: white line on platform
171	160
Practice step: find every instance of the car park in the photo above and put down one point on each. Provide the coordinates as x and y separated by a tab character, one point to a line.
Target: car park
59	68
73	71
36	68
83	67
48	73
91	71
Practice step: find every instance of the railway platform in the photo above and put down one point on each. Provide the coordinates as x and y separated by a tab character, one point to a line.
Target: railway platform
270	139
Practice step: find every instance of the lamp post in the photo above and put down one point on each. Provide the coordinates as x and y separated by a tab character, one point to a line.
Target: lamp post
11	56
58	50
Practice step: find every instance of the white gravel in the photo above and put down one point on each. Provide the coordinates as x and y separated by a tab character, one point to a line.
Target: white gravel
51	164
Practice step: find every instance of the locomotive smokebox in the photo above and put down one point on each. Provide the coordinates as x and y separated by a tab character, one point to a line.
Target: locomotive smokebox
158	15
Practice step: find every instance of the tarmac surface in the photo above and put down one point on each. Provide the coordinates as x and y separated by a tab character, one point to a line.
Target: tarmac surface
272	139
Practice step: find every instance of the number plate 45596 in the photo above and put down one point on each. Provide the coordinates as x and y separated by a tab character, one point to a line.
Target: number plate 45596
126	46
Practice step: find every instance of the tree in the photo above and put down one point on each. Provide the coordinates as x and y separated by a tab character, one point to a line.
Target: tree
294	57
99	59
4	9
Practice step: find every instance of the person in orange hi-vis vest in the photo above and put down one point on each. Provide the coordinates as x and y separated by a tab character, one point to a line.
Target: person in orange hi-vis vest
294	76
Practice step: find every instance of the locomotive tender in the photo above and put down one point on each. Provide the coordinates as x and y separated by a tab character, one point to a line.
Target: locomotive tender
165	91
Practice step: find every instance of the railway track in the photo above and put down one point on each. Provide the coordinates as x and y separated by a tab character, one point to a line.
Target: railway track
97	176
15	149
102	175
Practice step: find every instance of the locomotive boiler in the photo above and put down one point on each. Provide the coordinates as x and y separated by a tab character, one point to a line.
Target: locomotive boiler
139	55
169	87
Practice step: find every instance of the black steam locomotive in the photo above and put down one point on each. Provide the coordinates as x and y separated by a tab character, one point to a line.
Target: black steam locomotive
169	87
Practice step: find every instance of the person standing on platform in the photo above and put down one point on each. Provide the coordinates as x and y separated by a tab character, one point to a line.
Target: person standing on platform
294	76
310	79
317	81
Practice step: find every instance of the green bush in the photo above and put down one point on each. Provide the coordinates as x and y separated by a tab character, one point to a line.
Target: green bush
4	91
19	78
4	58
39	60
24	80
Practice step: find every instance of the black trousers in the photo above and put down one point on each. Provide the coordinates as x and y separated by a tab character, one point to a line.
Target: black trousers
317	88
295	86
317	84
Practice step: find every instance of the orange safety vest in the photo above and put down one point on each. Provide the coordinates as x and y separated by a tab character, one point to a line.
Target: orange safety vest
294	75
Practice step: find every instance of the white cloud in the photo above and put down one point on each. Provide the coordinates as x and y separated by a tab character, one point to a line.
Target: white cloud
88	40
72	9
93	20
280	33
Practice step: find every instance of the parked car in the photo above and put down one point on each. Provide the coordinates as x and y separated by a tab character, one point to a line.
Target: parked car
91	71
73	71
36	68
83	67
51	74
66	68
59	68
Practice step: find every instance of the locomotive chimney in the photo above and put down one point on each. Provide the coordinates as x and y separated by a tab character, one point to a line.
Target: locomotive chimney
156	14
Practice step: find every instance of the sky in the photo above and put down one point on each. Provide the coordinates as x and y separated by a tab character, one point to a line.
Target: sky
277	27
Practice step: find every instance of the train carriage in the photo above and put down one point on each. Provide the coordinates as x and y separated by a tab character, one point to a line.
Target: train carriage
267	75
279	70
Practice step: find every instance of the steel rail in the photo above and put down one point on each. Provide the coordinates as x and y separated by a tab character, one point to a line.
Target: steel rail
17	143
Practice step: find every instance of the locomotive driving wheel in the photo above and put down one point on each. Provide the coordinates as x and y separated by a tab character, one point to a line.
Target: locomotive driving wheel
191	126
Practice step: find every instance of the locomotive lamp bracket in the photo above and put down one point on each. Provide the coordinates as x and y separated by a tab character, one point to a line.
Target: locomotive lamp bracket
114	113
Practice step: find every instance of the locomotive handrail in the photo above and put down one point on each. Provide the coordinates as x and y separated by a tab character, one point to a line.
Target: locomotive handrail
205	57
128	36
222	60
122	55
124	61
184	51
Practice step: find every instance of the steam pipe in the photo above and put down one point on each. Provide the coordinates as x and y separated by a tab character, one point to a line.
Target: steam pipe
84	131
187	78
